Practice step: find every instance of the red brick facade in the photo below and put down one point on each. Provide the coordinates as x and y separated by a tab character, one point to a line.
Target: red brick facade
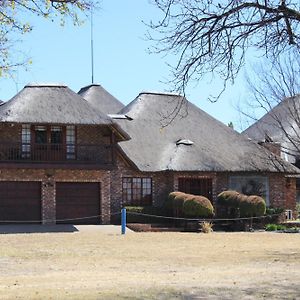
282	190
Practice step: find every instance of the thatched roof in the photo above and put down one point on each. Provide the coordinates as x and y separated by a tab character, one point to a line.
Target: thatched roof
50	103
101	99
279	125
195	142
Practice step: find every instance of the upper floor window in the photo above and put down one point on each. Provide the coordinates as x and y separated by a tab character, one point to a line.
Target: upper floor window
56	135
40	134
137	190
26	140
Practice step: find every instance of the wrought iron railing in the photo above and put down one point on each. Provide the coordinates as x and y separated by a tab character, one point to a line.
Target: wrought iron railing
18	152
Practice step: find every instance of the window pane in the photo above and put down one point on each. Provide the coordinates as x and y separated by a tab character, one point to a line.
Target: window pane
251	185
137	191
70	134
56	135
40	135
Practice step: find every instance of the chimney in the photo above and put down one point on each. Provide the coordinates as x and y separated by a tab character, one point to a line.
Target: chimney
274	147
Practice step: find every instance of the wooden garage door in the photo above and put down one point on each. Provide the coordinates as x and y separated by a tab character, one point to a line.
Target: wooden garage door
76	200
20	201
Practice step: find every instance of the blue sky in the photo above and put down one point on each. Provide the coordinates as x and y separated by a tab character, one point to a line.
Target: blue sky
122	63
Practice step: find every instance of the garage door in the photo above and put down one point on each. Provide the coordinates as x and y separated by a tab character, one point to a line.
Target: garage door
20	201
75	200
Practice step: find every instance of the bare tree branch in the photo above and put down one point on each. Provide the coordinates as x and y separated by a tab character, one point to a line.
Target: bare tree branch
276	91
213	36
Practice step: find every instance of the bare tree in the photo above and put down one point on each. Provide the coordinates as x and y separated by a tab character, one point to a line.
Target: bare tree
274	90
14	16
213	36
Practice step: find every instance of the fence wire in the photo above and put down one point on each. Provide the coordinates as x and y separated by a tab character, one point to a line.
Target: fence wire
202	219
56	220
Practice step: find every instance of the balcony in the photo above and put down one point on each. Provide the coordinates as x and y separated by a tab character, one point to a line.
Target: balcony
53	154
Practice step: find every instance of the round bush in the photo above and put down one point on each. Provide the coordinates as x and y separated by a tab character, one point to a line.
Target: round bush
229	198
246	206
169	203
197	206
257	206
179	199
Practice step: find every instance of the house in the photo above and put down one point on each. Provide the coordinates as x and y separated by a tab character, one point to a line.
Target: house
56	155
63	161
278	130
101	99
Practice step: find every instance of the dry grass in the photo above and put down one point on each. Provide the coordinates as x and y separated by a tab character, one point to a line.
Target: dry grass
91	265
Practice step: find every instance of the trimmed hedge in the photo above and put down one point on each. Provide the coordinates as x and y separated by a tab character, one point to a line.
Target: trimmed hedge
169	203
229	198
197	206
248	206
149	210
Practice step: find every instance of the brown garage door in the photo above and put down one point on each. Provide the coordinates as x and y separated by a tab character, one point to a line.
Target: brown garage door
75	200
20	201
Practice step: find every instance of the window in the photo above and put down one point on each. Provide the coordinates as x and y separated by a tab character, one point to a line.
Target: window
251	185
196	186
26	141
40	135
137	191
56	135
70	141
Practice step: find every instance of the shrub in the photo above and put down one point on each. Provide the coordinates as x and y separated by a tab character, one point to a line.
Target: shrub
197	206
206	227
274	227
228	198
149	210
274	210
252	206
169	203
271	227
246	206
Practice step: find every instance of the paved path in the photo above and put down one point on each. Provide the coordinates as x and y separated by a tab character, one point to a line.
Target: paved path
25	228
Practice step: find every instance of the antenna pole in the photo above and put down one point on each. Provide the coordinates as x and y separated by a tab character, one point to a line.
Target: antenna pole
92	44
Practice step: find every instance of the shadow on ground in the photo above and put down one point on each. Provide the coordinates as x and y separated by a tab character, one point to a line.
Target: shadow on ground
9	229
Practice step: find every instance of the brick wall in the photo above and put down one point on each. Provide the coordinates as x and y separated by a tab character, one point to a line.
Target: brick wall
10	132
93	135
49	177
162	183
280	194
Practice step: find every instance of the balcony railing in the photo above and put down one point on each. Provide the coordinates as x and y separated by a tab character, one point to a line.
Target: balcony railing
58	153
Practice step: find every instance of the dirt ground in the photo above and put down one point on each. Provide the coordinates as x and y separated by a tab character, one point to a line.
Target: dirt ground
94	265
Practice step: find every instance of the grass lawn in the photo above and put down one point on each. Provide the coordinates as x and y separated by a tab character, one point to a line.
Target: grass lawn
93	265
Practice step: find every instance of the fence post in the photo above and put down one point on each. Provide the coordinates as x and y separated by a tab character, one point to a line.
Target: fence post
123	220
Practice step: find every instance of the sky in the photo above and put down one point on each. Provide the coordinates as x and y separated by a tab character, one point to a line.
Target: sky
122	62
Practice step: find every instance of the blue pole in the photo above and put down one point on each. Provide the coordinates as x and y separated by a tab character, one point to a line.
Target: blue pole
123	220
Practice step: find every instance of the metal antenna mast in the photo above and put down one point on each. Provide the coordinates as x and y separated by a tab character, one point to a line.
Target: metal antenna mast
92	44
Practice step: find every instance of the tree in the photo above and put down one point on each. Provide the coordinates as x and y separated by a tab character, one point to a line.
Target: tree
14	12
213	36
275	91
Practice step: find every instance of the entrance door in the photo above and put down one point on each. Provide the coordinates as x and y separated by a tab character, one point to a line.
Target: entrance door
48	143
196	186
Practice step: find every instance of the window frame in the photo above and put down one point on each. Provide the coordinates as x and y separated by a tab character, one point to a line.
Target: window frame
249	177
139	195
